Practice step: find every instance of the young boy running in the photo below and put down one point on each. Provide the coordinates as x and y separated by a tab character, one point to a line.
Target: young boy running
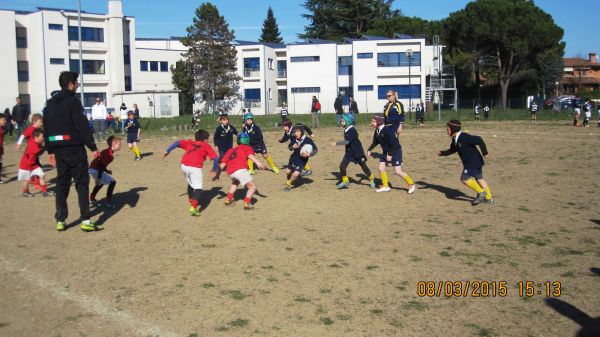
257	142
354	152
298	159
392	153
236	162
466	146
287	136
223	138
36	124
101	174
30	165
192	162
133	128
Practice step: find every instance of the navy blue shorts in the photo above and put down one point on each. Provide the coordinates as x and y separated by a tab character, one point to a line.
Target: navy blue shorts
260	148
297	164
131	138
349	158
471	172
394	126
396	157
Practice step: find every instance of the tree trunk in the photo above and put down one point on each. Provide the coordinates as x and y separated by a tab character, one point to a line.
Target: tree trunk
504	90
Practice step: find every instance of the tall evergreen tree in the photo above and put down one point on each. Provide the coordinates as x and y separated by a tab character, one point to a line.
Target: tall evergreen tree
211	57
270	30
183	80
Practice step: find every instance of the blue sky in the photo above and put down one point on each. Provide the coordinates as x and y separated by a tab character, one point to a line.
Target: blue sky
579	18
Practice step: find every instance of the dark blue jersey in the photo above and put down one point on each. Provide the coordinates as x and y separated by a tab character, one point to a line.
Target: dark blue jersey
255	134
393	112
132	126
287	136
223	137
466	146
354	147
301	142
386	138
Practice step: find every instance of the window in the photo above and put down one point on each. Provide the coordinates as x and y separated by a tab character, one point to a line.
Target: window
153	65
126	55
252	94
127	83
89	66
281	96
270	62
143	65
252	63
55	26
270	94
345	65
21	37
88	34
365	88
23	71
164	66
364	55
346	92
281	68
57	61
398	59
89	98
306	90
404	91
305	59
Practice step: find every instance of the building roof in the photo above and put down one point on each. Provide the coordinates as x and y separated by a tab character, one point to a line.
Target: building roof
255	43
579	62
175	38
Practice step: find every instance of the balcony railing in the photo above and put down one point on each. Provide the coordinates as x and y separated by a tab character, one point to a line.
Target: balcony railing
251	103
281	73
251	72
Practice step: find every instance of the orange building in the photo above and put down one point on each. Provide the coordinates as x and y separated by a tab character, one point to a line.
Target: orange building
580	75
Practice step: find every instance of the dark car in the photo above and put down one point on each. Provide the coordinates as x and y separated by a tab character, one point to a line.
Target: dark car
565	103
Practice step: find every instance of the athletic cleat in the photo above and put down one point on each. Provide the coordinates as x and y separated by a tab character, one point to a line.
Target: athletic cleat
252	172
248	206
48	194
479	198
110	204
228	202
28	195
287	188
306	173
138	158
489	201
194	211
90	227
60	226
372	184
93	202
275	169
2	182
342	185
383	189
412	188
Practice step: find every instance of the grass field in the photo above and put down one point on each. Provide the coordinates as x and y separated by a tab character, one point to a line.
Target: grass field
317	261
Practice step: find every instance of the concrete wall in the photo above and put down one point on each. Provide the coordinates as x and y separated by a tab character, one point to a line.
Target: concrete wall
9	86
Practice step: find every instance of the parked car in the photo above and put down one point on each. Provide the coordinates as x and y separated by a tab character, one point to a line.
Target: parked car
549	102
565	103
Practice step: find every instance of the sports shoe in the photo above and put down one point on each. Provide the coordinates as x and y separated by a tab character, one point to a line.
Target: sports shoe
93	202
28	195
287	188
228	202
138	158
60	226
372	184
2	182
110	204
248	206
383	189
275	169
194	211
342	185
306	173
479	198
48	194
90	227
252	172
412	188
489	201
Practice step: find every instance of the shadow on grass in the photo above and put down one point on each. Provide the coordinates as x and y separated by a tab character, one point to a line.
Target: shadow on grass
450	193
596	221
590	327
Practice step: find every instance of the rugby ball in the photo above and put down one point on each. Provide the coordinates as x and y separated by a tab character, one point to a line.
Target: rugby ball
306	148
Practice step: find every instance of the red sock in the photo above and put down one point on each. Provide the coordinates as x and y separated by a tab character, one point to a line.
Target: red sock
92	197
229	196
25	190
247	200
191	201
44	188
194	203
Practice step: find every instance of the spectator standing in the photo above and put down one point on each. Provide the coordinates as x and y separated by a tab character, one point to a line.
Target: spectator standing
136	111
353	108
486	112
8	128
20	115
339	109
99	116
315	109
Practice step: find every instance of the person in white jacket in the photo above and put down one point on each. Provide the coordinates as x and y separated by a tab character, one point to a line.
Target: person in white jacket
99	115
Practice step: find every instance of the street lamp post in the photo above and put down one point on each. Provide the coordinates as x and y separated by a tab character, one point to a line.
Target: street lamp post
81	86
409	53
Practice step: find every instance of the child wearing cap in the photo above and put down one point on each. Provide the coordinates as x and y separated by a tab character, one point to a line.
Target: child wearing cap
354	152
472	174
298	159
392	153
257	142
236	162
134	129
287	136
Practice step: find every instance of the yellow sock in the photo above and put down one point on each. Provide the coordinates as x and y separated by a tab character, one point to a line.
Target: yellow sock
306	167
136	150
271	162
250	165
384	179
472	183
345	179
371	177
488	193
288	183
408	180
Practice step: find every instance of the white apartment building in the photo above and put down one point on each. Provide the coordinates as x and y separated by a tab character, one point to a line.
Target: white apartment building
40	44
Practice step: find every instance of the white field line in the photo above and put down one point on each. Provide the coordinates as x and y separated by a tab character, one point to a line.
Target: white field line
88	303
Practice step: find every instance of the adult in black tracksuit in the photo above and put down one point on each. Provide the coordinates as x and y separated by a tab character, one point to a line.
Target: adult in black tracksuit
20	115
67	134
339	109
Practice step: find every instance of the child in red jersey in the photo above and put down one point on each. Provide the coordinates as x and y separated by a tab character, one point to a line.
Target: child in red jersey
30	165
36	124
101	174
192	162
236	161
2	125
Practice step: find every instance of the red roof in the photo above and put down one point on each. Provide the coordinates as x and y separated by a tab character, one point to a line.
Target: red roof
579	62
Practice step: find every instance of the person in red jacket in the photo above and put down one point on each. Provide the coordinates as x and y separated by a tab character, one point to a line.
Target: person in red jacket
30	165
36	124
192	162
101	174
236	162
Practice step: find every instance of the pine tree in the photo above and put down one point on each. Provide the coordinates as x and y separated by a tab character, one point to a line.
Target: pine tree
211	57
270	30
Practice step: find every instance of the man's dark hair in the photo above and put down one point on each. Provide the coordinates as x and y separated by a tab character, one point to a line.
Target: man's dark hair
67	77
202	135
37	132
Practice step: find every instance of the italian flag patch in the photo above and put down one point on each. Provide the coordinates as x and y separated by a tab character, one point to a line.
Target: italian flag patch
59	138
